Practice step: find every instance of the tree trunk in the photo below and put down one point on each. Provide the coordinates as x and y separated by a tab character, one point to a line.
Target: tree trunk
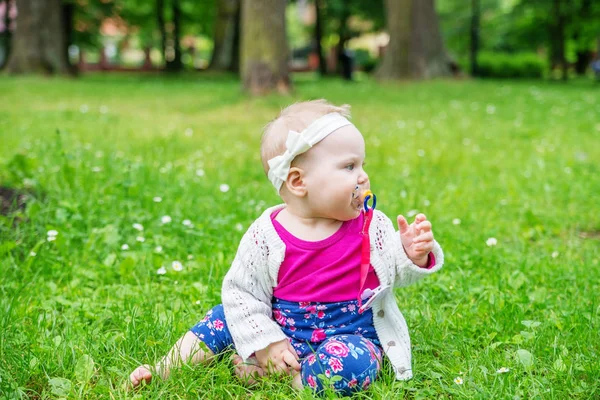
557	37
6	35
264	47
225	56
416	49
395	60
319	37
175	65
475	18
583	52
160	20
344	37
39	42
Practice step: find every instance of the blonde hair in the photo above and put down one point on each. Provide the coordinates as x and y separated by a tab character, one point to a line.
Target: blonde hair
296	117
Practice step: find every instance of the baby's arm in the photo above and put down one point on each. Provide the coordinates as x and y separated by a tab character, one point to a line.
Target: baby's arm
246	296
421	247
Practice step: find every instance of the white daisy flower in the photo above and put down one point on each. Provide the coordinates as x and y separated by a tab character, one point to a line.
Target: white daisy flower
197	302
177	266
555	254
456	221
140	239
138	227
32	254
224	188
491	242
458	380
51	238
503	370
161	271
157	199
186	222
52	232
165	219
158	249
125	247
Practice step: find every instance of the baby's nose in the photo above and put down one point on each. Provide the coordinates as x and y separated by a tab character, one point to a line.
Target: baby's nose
363	178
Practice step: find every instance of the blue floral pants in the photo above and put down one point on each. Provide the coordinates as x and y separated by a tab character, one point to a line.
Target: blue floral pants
337	346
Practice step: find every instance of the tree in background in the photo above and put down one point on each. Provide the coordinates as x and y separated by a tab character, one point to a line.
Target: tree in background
40	41
264	47
342	20
541	27
225	56
475	20
8	15
318	37
415	49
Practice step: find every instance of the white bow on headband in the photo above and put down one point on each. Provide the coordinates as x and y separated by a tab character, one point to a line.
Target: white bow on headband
298	143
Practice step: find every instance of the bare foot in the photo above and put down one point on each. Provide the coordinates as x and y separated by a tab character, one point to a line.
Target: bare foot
139	375
247	372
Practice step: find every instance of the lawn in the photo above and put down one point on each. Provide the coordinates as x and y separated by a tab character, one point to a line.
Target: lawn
508	172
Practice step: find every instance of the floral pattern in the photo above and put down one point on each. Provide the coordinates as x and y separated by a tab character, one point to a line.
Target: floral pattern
332	340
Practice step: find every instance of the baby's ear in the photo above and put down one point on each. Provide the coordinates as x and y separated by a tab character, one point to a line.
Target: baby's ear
295	182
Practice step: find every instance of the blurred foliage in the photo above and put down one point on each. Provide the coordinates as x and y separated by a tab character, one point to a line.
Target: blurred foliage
506	26
364	60
139	18
513	26
518	65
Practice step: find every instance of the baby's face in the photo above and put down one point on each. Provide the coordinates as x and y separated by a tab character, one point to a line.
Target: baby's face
333	169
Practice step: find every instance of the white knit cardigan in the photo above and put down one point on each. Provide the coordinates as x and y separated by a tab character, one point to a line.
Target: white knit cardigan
248	288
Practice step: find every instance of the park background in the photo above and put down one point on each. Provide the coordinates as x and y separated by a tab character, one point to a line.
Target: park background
129	170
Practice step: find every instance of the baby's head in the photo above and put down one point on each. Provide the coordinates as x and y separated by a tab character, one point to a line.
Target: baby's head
324	165
296	117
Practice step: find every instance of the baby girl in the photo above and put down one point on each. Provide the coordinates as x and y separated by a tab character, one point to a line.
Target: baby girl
309	292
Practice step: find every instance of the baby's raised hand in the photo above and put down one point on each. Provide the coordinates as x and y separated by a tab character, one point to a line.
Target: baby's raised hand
278	357
417	238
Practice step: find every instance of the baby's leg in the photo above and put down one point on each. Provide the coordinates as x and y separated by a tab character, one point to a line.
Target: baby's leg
352	359
188	349
205	339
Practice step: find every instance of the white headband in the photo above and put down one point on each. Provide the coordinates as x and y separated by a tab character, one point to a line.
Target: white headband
298	143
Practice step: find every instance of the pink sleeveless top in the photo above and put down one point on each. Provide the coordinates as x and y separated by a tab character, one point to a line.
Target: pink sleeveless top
327	270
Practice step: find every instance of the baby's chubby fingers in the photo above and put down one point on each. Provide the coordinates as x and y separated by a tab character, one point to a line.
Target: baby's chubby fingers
291	360
423	226
403	226
420	218
423	247
424	238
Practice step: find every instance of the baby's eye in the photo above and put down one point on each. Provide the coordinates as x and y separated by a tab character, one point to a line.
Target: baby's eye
349	167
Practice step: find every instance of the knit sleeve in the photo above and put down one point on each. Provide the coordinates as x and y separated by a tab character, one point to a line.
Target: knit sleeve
389	243
246	296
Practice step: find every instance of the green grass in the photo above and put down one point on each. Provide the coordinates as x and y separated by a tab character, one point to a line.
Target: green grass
515	161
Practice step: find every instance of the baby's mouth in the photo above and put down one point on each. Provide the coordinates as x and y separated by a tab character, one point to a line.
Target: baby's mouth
358	196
